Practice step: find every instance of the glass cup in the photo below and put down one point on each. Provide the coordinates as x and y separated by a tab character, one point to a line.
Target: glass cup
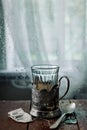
45	91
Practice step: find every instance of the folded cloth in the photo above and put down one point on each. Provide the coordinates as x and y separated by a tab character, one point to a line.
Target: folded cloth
20	115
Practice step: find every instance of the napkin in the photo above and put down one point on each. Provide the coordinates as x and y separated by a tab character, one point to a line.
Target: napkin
19	115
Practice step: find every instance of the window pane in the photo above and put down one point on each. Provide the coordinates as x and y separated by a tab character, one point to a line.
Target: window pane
75	29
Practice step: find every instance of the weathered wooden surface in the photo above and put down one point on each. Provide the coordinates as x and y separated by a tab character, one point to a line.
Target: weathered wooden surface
8	124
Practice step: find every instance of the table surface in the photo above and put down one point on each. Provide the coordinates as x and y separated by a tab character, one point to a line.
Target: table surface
40	124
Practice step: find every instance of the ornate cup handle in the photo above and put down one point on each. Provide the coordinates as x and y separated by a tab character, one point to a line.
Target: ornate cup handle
68	85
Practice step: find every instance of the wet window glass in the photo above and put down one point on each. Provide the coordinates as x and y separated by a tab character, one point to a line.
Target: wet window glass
44	32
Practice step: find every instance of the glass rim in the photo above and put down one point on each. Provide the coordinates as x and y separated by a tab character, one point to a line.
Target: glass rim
44	66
